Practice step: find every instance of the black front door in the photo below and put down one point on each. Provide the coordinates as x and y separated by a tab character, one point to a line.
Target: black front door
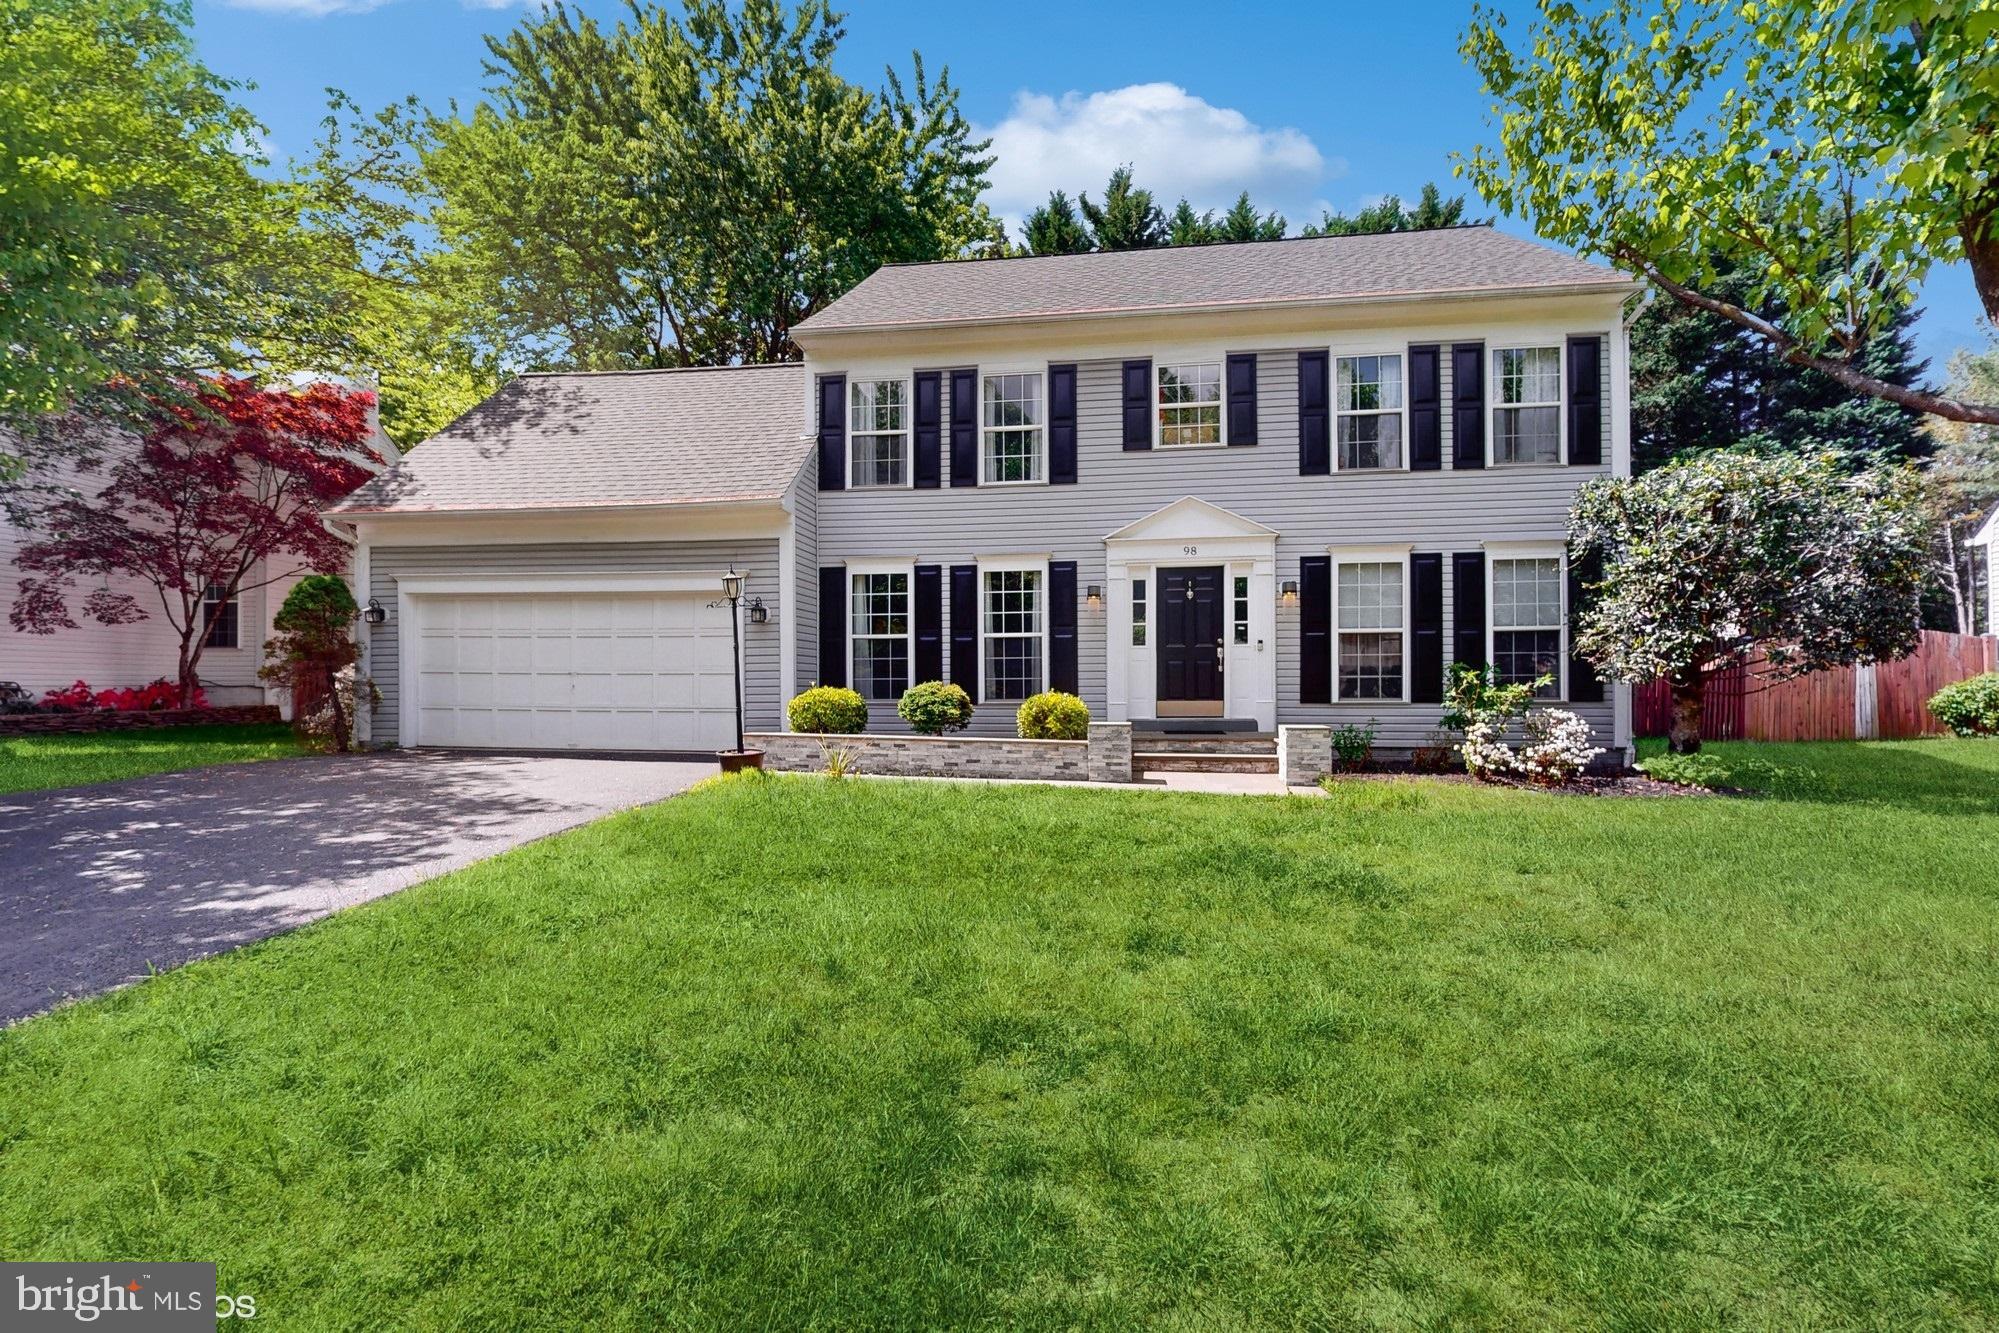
1190	635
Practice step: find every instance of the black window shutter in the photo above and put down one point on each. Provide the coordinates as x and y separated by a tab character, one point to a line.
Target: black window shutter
1315	630
1585	685
1585	400
1242	398
1315	427
1061	425
833	433
832	624
927	606
1426	410
1062	672
964	428
1468	405
1426	627
1138	404
929	430
1468	608
965	628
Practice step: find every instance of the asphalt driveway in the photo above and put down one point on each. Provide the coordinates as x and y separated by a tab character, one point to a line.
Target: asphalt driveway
100	884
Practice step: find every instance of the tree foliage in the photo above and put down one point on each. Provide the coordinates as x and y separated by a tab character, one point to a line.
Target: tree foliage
686	190
1432	210
1056	228
224	490
1702	381
1827	153
314	640
1128	218
1965	476
1719	554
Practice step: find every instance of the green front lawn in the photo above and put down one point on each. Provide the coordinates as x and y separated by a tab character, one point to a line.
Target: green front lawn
31	763
788	1053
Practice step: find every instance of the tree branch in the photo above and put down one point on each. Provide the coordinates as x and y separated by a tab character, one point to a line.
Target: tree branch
1797	354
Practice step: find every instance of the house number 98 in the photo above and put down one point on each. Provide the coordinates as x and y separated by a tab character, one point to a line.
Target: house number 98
1190	550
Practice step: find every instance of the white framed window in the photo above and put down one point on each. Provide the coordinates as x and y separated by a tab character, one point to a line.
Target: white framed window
879	632
878	433
221	618
1371	624
1189	397
1368	406
1527	620
1239	608
1013	630
1014	442
1526	405
1138	613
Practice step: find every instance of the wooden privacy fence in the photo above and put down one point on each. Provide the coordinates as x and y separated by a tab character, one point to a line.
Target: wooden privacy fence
1879	702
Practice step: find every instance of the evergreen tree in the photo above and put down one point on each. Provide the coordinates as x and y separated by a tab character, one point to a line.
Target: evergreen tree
1186	227
1701	381
1128	219
1054	228
1432	210
1243	223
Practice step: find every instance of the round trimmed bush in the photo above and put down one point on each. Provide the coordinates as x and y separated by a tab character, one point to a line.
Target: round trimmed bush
935	707
829	710
1970	707
1054	716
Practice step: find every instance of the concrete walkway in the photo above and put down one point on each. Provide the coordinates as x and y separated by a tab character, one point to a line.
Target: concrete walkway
100	884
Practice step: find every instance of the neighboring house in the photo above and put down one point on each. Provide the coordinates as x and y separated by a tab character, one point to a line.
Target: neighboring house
1256	484
1988	537
110	656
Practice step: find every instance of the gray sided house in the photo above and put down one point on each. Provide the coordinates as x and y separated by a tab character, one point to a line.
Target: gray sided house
1252	485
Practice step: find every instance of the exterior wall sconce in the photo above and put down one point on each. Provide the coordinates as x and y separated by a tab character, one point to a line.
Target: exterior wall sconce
1290	592
755	609
1095	596
375	613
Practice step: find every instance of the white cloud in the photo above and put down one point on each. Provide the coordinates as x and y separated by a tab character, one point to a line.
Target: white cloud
1177	145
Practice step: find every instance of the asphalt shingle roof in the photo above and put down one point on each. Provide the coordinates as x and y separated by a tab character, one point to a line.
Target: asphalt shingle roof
1454	260
619	438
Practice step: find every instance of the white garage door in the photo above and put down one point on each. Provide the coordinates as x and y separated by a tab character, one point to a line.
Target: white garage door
559	671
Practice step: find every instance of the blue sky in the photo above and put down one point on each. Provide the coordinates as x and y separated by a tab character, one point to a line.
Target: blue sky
1303	105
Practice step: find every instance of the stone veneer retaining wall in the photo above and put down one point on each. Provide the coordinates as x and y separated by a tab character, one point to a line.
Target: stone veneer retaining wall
42	724
1105	757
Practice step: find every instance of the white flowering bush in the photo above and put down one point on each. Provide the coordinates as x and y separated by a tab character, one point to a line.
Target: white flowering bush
1557	747
1485	751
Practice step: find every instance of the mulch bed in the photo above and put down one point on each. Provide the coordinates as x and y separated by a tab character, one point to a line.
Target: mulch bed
1631	783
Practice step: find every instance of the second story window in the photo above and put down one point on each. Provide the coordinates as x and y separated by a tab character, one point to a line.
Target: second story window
1369	404
878	432
1012	434
1527	411
1190	404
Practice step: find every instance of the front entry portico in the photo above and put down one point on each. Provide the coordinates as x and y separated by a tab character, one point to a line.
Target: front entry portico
1192	616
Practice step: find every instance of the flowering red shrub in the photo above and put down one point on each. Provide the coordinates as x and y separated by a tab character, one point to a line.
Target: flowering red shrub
80	698
70	699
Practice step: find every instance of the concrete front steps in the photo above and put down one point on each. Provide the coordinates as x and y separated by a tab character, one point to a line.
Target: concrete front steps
1226	752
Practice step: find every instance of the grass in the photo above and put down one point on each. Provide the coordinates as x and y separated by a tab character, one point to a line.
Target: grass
797	1053
33	763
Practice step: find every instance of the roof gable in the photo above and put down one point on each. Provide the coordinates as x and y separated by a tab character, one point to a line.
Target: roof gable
1190	518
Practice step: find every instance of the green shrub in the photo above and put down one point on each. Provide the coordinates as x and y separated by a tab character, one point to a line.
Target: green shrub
1354	744
935	707
1054	716
829	710
1970	707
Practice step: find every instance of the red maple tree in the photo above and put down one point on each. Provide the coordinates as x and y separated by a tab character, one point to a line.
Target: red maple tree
224	490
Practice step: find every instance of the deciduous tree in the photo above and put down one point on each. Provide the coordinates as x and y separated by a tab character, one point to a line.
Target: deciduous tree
1719	554
1829	153
225	490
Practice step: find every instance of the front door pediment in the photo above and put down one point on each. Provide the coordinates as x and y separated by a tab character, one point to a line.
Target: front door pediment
1191	519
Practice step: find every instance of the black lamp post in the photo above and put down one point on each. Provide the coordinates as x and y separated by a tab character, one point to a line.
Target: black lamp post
732	588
